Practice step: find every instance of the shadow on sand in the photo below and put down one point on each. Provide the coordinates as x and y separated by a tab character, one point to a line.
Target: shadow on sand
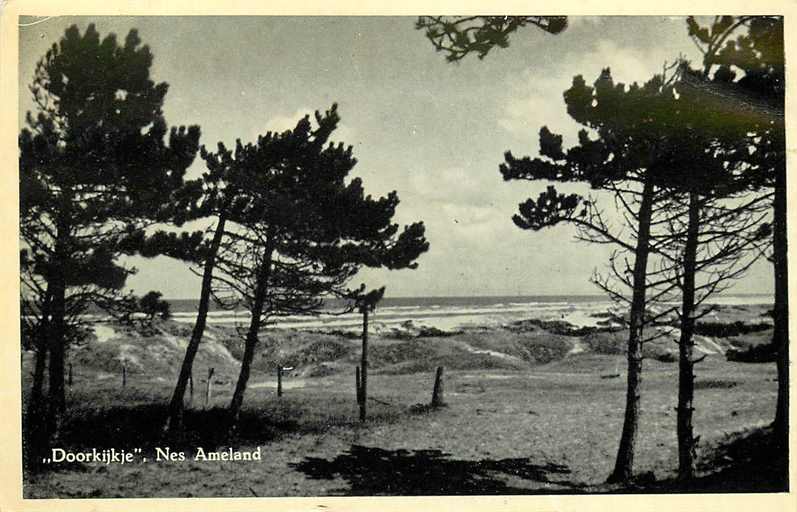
374	471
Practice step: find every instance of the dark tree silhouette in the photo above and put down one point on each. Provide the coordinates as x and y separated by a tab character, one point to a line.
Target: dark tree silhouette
629	160
459	36
152	305
743	76
713	242
95	167
684	155
214	195
744	116
301	232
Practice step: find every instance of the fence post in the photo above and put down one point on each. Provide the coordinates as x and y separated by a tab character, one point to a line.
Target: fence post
357	384
279	380
364	369
191	389
124	374
70	375
209	386
437	392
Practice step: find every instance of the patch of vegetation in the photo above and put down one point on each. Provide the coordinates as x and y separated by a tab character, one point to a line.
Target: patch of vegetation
350	335
715	384
607	342
666	357
558	327
413	350
456	360
544	349
726	330
152	305
409	331
319	351
754	354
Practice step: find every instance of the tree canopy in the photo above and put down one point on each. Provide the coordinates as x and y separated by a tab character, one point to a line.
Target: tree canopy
460	36
96	163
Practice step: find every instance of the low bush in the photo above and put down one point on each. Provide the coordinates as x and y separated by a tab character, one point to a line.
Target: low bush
724	330
753	354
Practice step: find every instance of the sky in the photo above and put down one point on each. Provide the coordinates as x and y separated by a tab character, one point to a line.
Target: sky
433	131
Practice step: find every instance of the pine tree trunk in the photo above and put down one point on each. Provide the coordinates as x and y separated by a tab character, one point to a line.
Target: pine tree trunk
246	365
56	342
686	376
364	369
623	468
251	340
35	435
56	333
174	422
37	389
781	310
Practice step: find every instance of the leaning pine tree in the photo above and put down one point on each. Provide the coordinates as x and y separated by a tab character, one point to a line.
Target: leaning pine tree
214	197
95	168
302	230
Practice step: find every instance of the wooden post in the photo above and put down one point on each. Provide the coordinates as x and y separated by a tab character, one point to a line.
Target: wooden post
124	374
70	375
279	381
357	384
364	367
191	389
209	386
437	392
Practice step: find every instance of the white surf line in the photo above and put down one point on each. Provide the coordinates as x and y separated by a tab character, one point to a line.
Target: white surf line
411	313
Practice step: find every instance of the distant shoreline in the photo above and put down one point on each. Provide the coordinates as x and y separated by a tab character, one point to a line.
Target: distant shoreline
447	314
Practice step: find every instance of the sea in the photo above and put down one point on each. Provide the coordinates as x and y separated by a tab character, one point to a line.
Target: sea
445	313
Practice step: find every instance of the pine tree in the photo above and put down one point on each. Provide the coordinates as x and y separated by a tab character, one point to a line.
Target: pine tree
628	160
96	164
213	196
300	231
743	80
715	230
665	141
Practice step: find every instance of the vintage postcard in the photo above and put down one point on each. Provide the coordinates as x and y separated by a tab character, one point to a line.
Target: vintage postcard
443	255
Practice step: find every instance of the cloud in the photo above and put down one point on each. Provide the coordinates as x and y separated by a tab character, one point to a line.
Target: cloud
281	122
536	99
457	184
584	21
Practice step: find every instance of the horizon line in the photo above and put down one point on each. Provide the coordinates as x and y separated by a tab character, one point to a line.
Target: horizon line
739	294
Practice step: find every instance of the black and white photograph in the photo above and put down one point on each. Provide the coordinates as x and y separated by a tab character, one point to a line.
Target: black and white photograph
416	255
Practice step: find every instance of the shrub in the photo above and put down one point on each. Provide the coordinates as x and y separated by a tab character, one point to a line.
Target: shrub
723	330
152	305
754	354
